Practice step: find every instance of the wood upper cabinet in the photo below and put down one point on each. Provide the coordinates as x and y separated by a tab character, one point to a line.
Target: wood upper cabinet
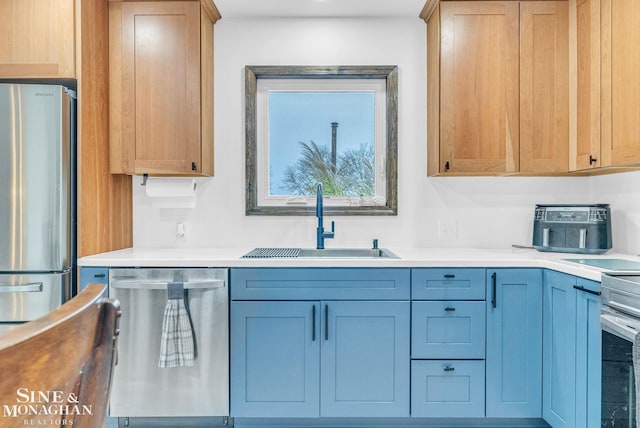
620	35
37	38
544	86
586	153
161	87
608	131
497	87
479	127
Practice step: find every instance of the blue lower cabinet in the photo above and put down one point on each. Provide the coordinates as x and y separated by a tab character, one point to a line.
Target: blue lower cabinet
365	359
588	356
514	343
559	350
572	352
275	359
448	388
93	275
324	358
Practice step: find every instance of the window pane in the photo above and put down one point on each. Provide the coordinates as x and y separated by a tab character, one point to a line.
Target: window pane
321	136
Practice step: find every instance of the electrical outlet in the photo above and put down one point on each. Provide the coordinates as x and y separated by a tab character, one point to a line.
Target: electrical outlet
180	231
447	230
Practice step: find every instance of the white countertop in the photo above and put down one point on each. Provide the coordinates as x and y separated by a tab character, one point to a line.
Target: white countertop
408	257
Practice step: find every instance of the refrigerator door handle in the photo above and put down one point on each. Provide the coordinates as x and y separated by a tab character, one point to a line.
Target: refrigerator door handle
32	287
162	285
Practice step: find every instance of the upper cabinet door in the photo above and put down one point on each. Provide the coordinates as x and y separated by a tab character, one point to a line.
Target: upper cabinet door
544	86
479	129
37	38
586	153
620	82
161	69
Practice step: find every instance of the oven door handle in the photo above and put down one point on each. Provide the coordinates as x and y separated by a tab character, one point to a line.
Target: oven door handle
617	328
624	308
162	285
32	287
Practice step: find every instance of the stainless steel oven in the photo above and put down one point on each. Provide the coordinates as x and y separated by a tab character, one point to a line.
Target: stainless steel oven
620	320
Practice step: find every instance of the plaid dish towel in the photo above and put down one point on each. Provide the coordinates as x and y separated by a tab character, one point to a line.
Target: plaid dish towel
177	342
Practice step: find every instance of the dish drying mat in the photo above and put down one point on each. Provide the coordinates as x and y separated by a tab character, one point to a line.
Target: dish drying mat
267	253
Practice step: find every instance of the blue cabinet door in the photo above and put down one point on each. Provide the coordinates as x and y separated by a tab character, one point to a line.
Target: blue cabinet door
514	343
365	359
93	275
559	395
275	359
588	356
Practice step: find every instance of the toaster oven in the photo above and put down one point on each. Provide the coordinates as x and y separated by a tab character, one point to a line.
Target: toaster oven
584	229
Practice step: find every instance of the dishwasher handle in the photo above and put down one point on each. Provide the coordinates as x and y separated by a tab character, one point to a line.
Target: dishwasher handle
141	284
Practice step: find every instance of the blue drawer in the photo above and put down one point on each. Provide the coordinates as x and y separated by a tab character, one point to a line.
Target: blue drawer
448	284
447	389
320	284
448	329
93	275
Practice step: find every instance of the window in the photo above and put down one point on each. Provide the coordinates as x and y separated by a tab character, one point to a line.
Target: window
335	125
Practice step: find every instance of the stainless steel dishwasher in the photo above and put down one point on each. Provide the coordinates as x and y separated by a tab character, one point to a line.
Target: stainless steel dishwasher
144	394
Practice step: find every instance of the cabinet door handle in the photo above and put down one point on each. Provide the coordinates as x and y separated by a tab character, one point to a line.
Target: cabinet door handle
449	369
326	322
193	166
449	275
592	160
99	275
586	290
313	324
493	290
449	309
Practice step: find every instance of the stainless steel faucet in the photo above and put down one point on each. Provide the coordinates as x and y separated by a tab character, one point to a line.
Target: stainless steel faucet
320	233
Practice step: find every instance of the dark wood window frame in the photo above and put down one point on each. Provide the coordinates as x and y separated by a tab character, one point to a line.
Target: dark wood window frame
389	73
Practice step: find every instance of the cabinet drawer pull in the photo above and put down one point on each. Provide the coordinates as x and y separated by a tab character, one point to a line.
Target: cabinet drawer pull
449	369
586	290
449	309
99	275
449	275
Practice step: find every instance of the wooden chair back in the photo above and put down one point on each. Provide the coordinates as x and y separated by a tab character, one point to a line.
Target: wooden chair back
56	371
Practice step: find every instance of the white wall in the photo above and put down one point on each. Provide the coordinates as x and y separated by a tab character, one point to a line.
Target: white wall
485	212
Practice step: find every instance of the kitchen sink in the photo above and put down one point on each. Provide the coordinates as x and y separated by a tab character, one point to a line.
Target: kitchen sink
328	253
346	253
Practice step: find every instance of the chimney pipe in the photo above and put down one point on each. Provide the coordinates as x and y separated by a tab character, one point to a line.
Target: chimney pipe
334	145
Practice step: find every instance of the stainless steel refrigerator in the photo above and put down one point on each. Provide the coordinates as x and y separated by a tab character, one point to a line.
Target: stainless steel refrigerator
37	199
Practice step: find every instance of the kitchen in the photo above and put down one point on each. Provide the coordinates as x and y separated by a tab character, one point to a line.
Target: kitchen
437	212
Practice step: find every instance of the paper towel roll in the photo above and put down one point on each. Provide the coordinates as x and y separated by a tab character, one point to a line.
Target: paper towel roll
171	192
